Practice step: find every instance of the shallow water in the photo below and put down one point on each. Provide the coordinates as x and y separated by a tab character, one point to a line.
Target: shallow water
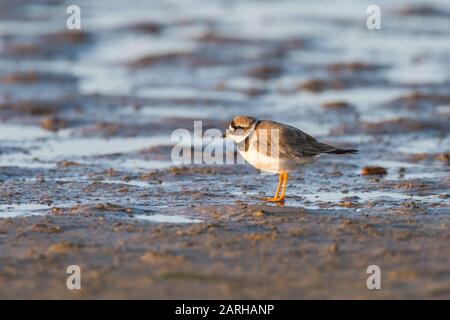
145	69
165	218
16	210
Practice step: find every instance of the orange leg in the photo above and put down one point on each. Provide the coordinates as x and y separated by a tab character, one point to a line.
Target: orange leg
275	198
285	179
282	180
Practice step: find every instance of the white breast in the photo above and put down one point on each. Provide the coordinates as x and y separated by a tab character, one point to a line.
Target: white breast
260	160
265	161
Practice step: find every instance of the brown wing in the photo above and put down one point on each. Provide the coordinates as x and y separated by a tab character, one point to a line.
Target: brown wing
294	143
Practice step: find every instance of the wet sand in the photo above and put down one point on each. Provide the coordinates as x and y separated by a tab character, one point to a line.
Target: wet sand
241	252
86	176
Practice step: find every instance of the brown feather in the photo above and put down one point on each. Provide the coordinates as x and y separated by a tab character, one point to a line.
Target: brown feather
293	143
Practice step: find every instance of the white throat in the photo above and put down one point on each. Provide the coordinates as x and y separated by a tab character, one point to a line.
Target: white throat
240	138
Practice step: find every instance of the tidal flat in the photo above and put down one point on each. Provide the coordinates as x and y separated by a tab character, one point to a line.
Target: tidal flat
87	177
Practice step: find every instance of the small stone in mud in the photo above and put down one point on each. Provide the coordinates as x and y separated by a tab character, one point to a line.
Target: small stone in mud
347	204
417	157
256	237
161	257
109	207
421	10
313	85
401	125
318	85
123	189
353	66
31	108
265	72
46	228
68	164
149	60
63	247
259	213
333	248
53	123
20	77
56	211
374	170
147	27
336	105
68	37
444	157
416	100
110	172
411	185
21	48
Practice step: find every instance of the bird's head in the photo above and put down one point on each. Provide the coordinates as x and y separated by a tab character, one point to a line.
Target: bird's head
240	128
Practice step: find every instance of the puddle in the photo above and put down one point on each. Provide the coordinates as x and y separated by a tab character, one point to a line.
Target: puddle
11	132
17	210
96	146
47	153
412	170
362	98
317	199
134	164
367	102
191	93
26	162
192	112
418	73
160	218
138	46
444	110
425	144
355	139
134	183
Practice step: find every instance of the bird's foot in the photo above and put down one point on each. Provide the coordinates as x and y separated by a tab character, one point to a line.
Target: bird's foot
278	200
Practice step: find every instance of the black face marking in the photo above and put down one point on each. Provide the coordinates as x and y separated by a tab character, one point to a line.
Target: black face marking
234	127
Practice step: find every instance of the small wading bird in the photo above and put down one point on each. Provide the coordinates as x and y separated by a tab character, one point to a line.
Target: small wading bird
276	147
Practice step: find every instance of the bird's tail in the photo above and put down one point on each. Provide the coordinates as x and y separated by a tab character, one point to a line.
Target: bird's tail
343	151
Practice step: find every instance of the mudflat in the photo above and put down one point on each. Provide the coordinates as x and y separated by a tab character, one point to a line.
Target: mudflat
87	177
240	251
